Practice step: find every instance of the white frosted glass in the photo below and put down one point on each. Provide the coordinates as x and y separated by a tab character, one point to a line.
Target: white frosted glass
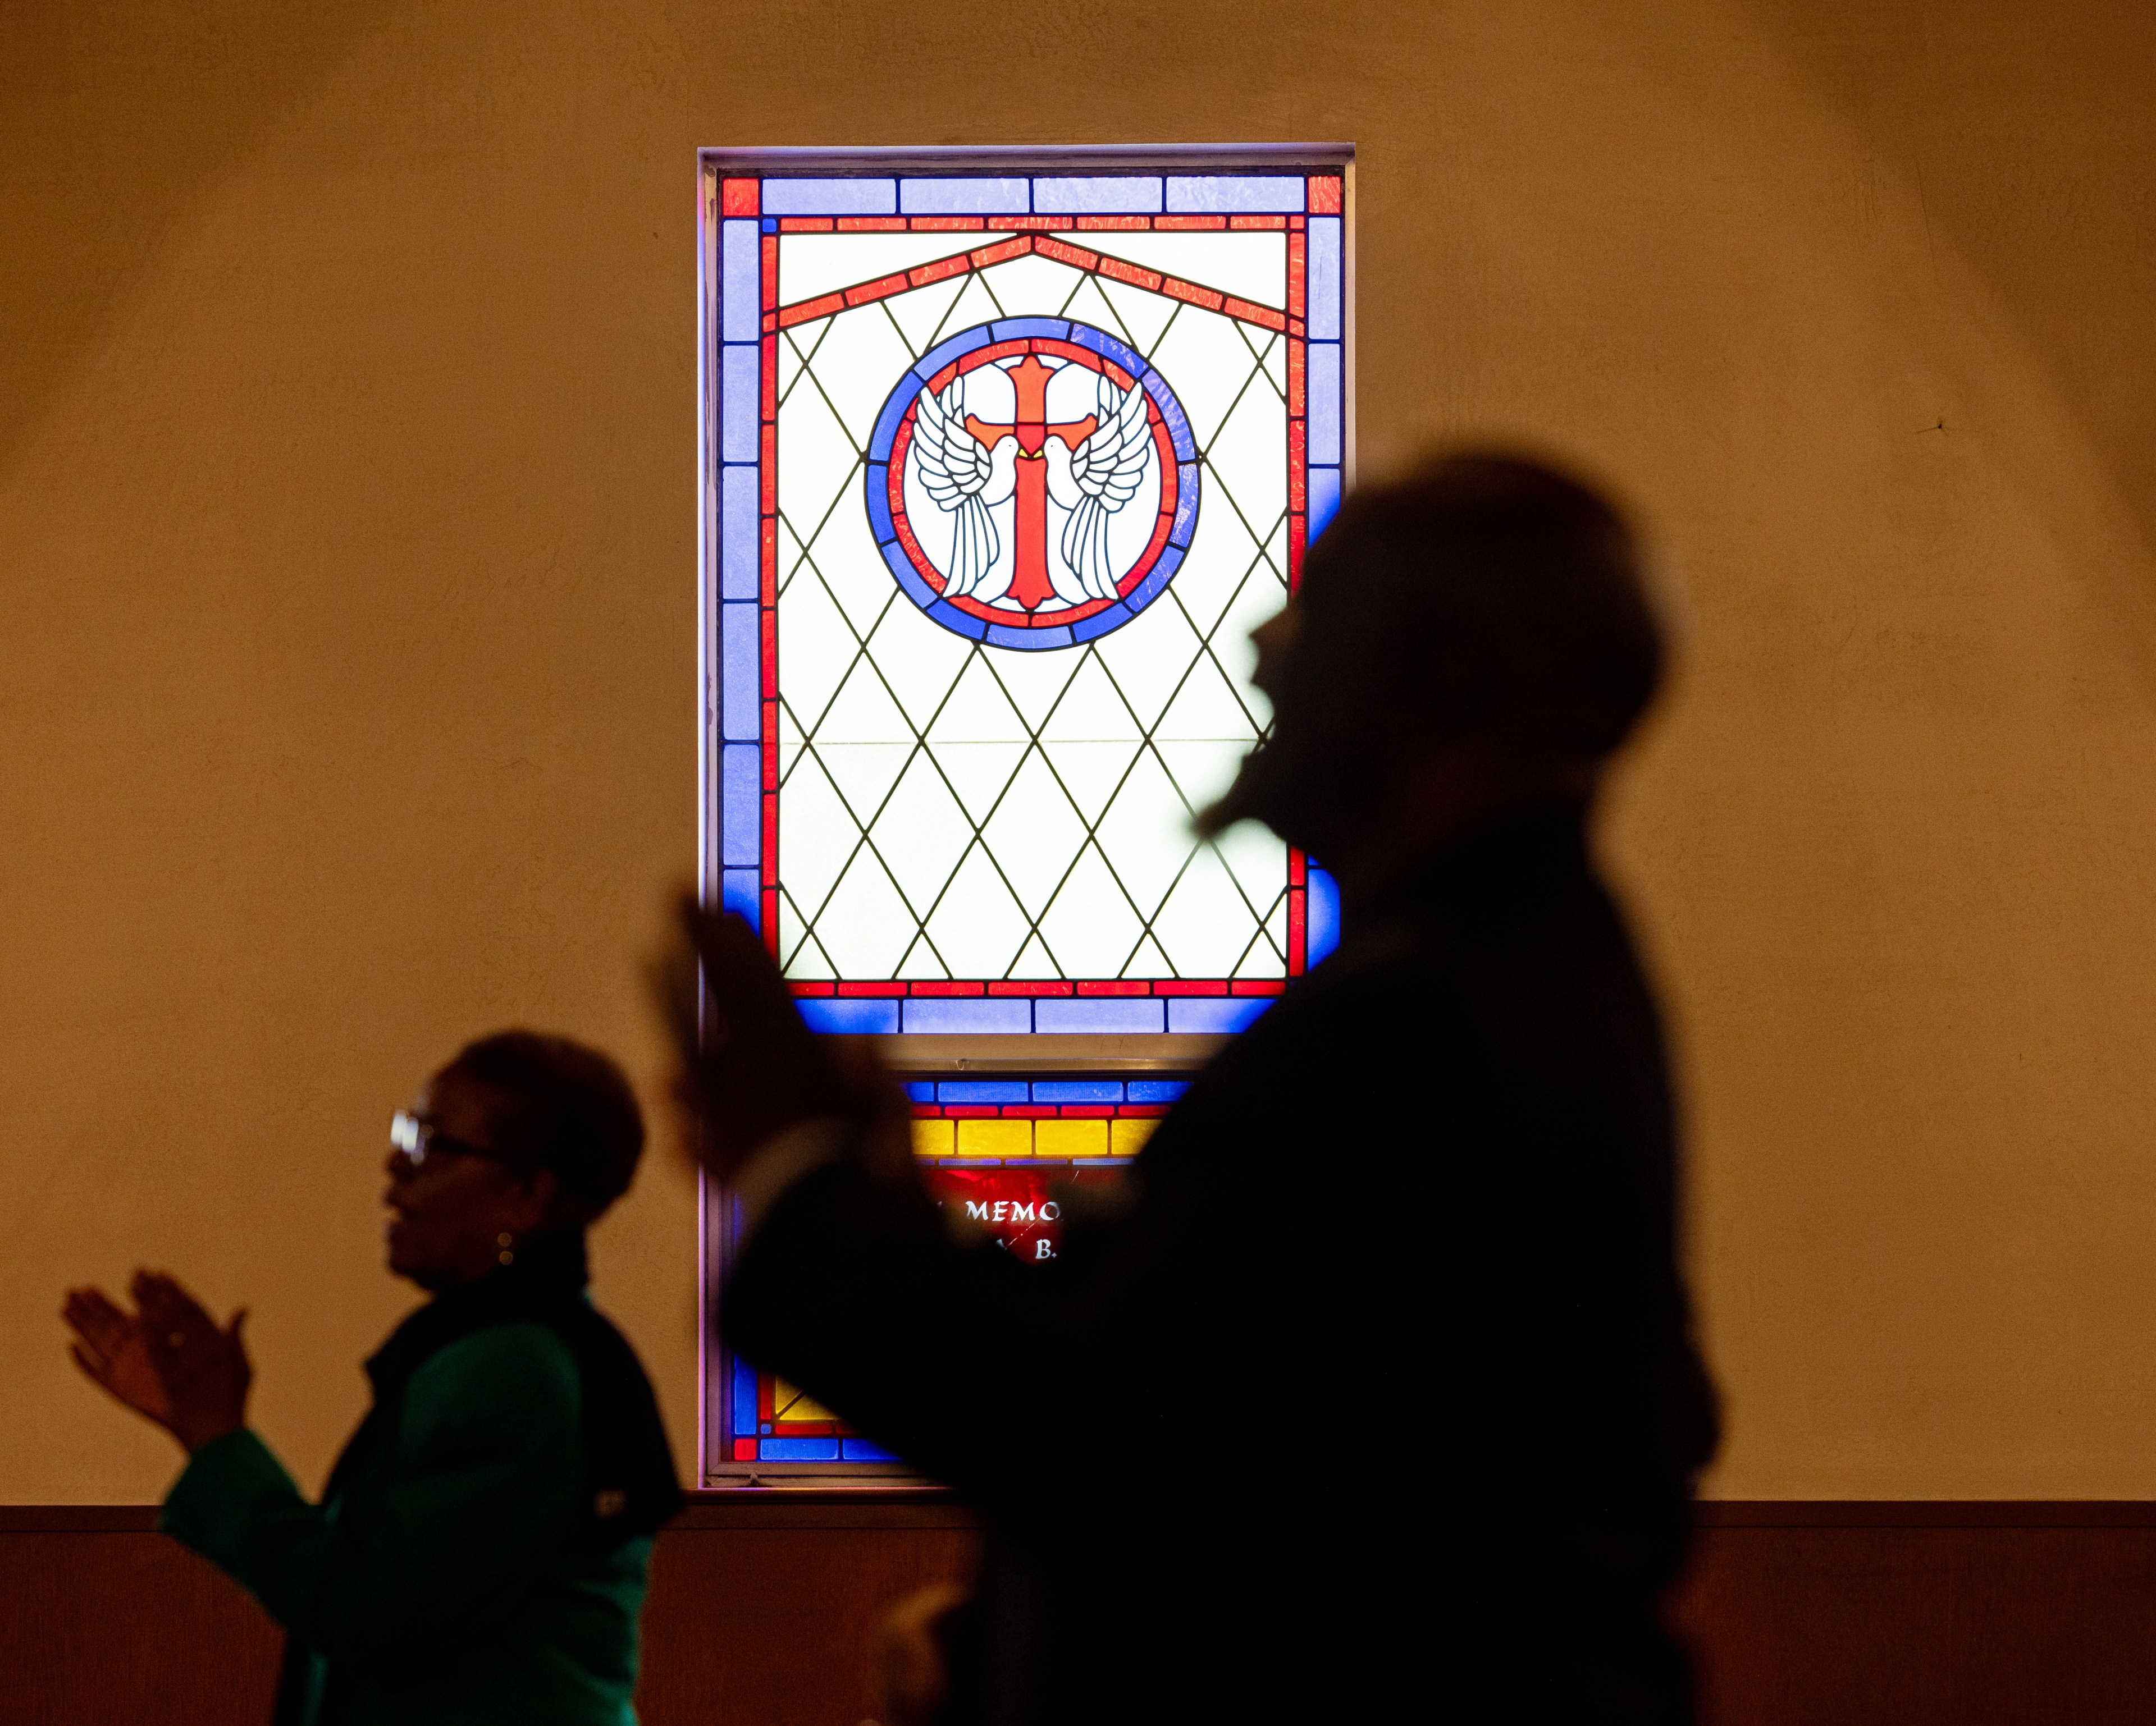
789	742
1201	771
789	551
1089	710
1035	682
918	660
801	956
1089	306
1207	363
921	833
1144	314
1256	858
974	305
816	836
864	925
1090	773
927	737
792	344
816	648
1146	833
1205	709
817	460
1090	927
978	711
853	570
1148	961
920	961
978	772
1260	597
1031	286
862	772
1035	961
1250	265
979	928
856	365
1205	925
1219	562
920	312
814	264
863	740
1034	834
1245	455
1148	657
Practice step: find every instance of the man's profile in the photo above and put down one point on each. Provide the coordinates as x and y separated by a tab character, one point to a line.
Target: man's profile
1438	1179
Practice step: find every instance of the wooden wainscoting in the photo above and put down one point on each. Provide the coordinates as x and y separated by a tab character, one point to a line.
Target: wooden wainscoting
761	1609
1901	1614
761	1605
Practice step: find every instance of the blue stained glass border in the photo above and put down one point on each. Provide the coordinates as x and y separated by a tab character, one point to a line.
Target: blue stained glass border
735	406
876	481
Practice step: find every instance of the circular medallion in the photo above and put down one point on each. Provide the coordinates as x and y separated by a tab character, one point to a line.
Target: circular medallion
1032	482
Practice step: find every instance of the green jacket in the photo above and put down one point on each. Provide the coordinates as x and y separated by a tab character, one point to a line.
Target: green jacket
440	1582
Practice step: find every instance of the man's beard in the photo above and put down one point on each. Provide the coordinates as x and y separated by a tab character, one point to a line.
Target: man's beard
1289	782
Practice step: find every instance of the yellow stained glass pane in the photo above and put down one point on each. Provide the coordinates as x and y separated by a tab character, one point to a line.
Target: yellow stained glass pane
1127	1136
933	1138
994	1137
1070	1137
788	1404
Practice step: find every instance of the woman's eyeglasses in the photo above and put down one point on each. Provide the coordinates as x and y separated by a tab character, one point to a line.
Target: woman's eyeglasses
415	1141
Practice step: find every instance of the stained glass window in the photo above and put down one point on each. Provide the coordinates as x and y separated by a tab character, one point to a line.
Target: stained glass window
1004	457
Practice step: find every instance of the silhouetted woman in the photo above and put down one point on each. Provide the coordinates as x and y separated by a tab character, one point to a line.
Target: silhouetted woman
479	1553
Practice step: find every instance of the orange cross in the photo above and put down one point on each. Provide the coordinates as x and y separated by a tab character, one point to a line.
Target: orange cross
1030	586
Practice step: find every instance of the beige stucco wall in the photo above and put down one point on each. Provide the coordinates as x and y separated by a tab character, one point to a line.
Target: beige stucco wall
346	620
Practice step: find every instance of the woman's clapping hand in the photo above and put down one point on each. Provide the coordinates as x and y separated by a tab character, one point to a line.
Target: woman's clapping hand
168	1360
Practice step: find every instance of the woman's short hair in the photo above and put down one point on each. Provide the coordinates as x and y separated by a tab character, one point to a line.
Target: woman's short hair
562	1106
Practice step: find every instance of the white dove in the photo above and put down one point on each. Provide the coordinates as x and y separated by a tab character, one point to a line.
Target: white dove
963	479
1095	481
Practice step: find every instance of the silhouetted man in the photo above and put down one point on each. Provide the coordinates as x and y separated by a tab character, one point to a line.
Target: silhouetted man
1377	1397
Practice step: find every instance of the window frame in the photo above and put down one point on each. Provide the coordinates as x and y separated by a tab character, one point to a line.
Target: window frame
923	1055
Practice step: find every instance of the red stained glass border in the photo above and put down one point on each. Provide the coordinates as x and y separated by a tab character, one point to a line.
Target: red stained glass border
1031	233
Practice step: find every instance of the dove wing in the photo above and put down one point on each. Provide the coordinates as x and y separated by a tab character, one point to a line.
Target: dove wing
954	468
1109	464
1108	469
953	465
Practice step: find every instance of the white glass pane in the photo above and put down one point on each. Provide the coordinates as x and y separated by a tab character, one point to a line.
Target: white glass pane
921	833
979	928
816	647
864	925
1251	266
1091	928
1205	925
856	365
816	836
1146	833
1244	456
918	660
817	460
813	264
1208	365
1079	765
921	312
853	570
1148	657
1034	834
1031	286
1144	314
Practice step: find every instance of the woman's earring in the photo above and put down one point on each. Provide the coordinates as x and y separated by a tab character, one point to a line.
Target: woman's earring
506	1242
